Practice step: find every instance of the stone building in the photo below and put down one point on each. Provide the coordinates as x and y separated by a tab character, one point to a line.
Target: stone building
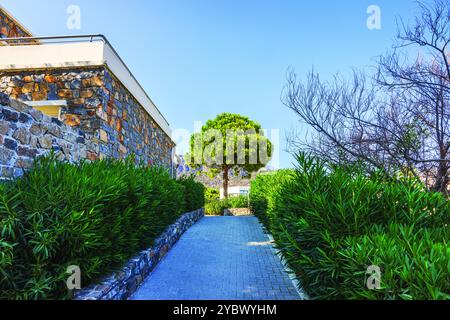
81	83
10	27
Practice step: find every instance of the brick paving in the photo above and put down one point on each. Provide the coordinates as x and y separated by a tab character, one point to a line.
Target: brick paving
220	258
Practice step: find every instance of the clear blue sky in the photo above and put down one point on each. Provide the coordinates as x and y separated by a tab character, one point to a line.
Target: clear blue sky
198	58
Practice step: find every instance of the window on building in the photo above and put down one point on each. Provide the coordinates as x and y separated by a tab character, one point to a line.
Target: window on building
50	108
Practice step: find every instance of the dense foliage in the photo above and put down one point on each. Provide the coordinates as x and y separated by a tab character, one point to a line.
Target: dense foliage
93	215
194	194
332	223
238	202
262	188
212	194
216	206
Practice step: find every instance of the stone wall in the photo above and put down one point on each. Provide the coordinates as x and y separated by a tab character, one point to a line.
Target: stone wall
101	106
26	133
122	284
9	28
237	212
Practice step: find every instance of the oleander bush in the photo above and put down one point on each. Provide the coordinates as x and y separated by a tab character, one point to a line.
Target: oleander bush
212	194
262	188
215	207
96	215
237	202
194	194
332	223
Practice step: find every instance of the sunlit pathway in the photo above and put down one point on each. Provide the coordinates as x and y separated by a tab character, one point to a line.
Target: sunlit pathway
220	258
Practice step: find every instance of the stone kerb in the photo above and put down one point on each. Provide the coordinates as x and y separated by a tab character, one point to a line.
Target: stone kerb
122	284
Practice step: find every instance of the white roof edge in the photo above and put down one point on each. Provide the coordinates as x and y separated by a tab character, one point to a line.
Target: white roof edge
2	8
121	71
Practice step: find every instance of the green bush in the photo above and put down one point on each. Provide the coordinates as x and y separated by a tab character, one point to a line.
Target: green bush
262	189
95	215
332	223
194	194
414	264
238	202
212	194
215	208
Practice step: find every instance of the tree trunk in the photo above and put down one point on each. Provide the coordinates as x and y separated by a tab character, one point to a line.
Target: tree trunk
225	181
442	179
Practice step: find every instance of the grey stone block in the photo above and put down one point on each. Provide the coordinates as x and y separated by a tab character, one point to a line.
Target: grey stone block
6	155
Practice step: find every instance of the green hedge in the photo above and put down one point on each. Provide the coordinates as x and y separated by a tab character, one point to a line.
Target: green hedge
262	189
332	224
194	194
237	202
217	206
212	194
95	215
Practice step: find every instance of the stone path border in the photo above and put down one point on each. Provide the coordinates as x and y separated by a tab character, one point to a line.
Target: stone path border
124	283
297	283
221	258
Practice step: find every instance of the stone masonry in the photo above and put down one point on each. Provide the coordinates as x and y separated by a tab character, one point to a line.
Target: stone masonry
10	28
111	120
26	134
99	105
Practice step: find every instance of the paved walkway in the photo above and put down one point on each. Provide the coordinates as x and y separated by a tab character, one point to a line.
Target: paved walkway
220	258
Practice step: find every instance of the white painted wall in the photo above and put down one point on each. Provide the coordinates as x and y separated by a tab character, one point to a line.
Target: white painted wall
51	55
234	191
